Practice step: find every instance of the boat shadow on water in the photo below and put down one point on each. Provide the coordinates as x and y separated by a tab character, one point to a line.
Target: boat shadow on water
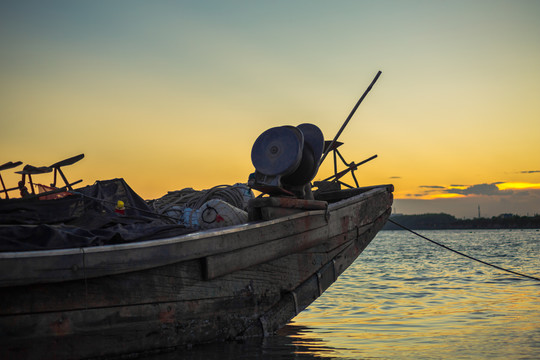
290	342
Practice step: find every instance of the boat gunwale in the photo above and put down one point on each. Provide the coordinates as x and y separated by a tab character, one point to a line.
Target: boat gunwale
198	235
194	236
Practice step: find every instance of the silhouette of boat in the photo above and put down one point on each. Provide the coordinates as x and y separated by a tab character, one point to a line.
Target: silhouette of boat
174	288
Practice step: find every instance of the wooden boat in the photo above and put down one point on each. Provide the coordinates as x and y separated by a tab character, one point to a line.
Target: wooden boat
235	282
241	281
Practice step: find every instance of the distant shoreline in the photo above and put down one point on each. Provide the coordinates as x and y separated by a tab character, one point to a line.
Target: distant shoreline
448	222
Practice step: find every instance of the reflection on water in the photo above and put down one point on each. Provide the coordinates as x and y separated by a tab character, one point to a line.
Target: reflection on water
291	342
407	298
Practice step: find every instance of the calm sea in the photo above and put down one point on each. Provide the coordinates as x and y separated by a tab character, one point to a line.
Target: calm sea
405	298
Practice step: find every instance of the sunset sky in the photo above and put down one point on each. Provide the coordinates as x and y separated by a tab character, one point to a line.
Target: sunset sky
172	94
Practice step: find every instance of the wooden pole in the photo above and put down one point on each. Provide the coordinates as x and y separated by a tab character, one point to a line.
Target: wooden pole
349	117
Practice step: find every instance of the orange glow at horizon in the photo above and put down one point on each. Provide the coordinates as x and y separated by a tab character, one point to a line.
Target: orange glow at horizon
442	196
457	187
430	196
517	186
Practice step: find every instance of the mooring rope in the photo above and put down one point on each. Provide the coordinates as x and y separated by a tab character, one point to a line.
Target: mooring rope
462	254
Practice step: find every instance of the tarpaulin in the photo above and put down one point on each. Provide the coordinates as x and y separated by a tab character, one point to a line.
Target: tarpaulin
86	218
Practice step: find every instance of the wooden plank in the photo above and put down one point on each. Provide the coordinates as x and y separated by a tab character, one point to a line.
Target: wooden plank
225	263
176	282
290	203
341	220
117	331
269	213
67	264
348	193
221	264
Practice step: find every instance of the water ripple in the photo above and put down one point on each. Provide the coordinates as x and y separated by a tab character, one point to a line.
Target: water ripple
406	298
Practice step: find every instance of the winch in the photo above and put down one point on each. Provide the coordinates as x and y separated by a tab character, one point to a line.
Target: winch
286	159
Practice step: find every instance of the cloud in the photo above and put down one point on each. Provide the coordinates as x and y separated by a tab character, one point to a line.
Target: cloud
499	188
529	171
467	206
478	189
395	177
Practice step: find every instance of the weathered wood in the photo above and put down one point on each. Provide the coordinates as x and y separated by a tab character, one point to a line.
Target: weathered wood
175	282
129	329
173	304
361	213
72	264
297	300
221	264
336	195
288	203
269	213
158	325
269	208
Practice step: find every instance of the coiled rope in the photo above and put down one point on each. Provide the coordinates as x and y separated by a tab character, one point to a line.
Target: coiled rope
184	198
462	254
189	198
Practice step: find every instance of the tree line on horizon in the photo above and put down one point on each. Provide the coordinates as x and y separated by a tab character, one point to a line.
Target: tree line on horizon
444	221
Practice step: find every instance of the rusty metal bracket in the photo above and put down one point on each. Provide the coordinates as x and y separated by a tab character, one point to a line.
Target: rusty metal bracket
319	276
295	300
264	326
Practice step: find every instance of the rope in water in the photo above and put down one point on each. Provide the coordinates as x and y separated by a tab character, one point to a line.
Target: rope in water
462	254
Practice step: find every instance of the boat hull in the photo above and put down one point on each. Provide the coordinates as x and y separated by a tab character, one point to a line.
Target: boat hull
239	288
